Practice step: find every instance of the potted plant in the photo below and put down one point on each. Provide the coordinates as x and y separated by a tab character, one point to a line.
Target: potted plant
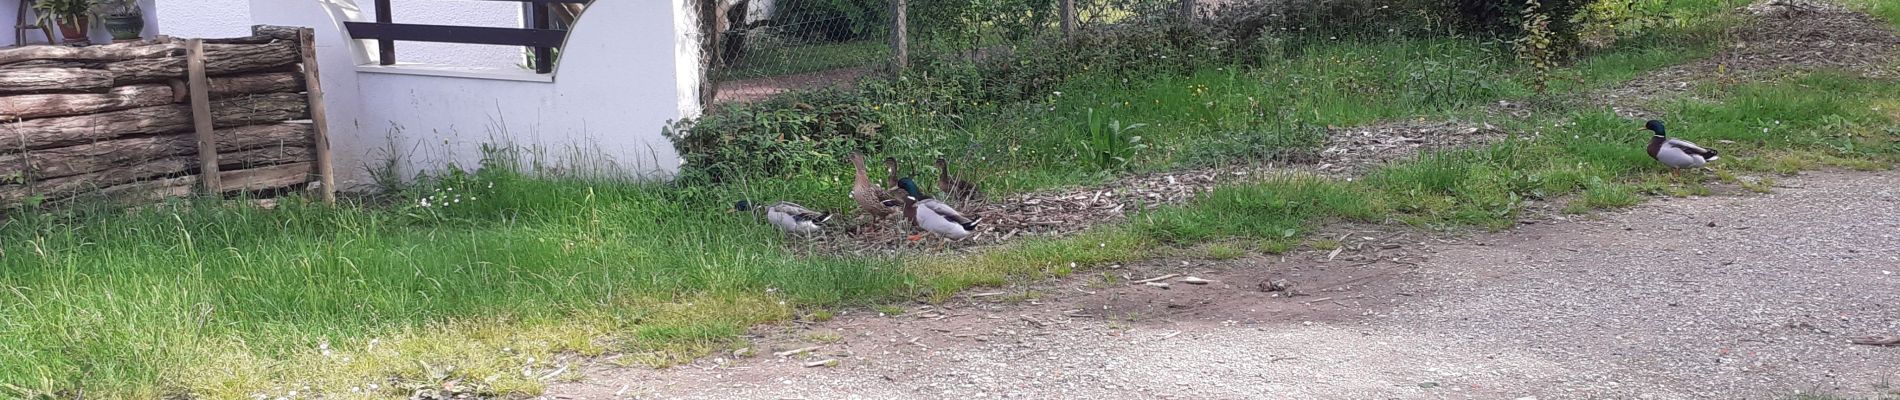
73	17
121	17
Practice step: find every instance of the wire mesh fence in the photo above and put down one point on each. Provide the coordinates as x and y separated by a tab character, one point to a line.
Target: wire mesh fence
766	47
776	38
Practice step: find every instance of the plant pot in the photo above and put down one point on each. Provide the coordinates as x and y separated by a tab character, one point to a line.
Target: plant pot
76	31
125	27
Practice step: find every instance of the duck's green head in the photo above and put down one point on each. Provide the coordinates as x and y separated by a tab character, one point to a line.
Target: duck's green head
1654	125
910	188
742	205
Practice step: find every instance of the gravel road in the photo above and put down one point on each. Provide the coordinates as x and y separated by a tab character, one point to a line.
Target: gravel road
1724	297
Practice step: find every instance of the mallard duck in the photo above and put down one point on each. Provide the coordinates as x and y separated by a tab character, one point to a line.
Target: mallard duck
891	174
790	217
933	215
876	202
958	189
1676	153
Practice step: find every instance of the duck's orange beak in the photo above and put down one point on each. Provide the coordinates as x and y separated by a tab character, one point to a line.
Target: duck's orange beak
914	238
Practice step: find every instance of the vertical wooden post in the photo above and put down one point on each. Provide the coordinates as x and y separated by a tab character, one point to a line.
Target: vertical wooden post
201	116
1187	9
326	171
900	36
385	48
543	56
1068	18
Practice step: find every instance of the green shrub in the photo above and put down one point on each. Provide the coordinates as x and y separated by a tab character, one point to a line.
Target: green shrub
788	135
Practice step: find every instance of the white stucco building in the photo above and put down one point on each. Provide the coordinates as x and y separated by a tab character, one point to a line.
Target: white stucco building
626	70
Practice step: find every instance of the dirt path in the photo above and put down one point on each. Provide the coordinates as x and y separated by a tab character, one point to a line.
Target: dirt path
1653	302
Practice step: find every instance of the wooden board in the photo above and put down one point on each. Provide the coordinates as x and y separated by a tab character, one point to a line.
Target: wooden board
44	133
30	106
326	170
59	188
246	180
201	118
110	52
220	59
121	153
37	80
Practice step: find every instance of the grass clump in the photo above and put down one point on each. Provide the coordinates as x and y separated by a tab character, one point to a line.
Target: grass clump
1224	251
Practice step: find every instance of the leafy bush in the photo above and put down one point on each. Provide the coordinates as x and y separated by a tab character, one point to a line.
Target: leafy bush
969	22
787	135
1506	18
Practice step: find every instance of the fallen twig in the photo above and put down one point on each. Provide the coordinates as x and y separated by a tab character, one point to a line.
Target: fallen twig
1309	302
797	351
1156	279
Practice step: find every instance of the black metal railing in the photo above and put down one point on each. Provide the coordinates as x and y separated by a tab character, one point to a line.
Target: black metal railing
541	36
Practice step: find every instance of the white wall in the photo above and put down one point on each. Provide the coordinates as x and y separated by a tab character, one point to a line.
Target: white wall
602	112
204	18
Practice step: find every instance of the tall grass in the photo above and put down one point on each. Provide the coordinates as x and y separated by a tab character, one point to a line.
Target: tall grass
118	304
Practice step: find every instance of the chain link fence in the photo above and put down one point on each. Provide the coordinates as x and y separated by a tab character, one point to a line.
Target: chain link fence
766	47
779	38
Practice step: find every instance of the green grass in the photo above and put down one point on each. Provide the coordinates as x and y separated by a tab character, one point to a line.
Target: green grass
1885	10
203	300
118	304
1281	109
1224	251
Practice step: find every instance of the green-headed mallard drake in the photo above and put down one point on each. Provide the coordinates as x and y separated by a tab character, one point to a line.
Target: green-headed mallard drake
933	215
1676	153
958	189
876	202
789	217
